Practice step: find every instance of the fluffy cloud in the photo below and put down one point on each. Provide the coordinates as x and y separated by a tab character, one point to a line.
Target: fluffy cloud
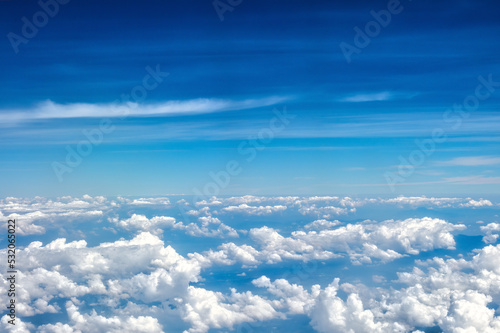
73	269
142	284
140	269
324	212
19	327
384	241
331	314
141	222
150	201
247	199
292	297
207	226
37	215
97	323
25	223
322	224
437	202
254	210
445	295
34	216
478	203
492	231
206	309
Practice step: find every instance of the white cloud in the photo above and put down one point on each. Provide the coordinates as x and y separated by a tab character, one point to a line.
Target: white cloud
141	269
437	202
100	324
471	161
19	327
473	180
444	296
330	314
324	212
294	298
51	110
207	227
457	300
210	227
150	201
322	224
254	210
25	223
423	201
141	222
34	216
378	279
479	203
384	241
246	199
492	231
206	309
380	96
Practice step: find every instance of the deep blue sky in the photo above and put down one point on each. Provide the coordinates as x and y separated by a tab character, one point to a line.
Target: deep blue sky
353	120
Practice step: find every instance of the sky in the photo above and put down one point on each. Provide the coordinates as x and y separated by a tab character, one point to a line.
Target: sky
171	92
250	166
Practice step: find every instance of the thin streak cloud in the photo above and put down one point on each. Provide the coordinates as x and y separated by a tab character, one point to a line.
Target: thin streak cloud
376	97
471	161
51	110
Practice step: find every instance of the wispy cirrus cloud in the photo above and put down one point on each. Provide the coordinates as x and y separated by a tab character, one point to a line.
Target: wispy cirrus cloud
374	97
473	180
471	161
51	110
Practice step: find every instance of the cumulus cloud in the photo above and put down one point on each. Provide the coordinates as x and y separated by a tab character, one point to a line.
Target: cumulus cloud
206	309
384	241
331	314
492	231
143	284
138	269
19	327
324	212
478	203
254	210
322	224
150	201
444	296
248	199
141	222
34	216
96	323
207	226
292	297
424	201
362	243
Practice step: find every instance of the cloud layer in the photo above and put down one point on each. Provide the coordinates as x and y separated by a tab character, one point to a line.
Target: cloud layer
157	269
